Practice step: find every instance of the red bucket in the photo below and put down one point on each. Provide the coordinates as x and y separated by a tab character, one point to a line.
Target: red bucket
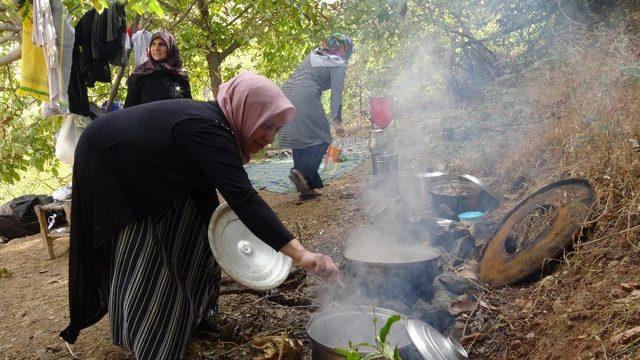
381	111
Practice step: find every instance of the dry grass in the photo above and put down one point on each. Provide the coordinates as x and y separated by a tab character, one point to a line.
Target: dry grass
572	116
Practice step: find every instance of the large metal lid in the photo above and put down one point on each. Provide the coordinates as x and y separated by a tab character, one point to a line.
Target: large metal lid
432	345
244	257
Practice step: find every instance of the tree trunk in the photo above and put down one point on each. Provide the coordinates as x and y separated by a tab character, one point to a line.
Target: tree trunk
449	75
214	64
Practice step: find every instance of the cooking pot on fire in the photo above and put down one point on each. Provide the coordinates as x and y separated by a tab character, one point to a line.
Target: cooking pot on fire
393	270
452	197
335	327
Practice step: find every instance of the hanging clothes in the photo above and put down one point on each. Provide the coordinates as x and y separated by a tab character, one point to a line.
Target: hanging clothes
141	40
107	32
44	32
92	53
33	73
64	56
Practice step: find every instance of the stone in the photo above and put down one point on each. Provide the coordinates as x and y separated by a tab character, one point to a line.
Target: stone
455	284
433	314
438	317
441	298
461	249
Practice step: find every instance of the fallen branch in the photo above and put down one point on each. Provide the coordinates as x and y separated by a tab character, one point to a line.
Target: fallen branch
240	290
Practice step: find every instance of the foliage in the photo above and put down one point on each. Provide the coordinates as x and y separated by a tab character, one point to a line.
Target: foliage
381	349
419	51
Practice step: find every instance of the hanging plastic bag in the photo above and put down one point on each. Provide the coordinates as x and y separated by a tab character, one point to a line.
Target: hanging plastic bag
332	156
70	131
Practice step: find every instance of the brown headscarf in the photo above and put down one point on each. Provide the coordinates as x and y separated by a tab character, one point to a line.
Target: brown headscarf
173	62
247	101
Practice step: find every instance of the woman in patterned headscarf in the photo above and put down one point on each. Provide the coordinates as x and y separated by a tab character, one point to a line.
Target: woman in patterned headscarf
161	77
144	188
309	134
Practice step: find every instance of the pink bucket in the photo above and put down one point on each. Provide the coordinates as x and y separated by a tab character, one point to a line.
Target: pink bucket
381	111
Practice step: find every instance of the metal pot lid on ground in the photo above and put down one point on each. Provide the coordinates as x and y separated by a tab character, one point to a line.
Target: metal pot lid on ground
431	344
536	231
245	258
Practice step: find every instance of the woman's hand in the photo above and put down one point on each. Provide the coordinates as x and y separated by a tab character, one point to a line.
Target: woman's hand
314	263
340	131
319	265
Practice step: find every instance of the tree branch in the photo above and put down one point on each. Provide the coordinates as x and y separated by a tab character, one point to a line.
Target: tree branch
181	18
9	27
244	11
14	55
169	6
231	48
9	37
205	18
567	16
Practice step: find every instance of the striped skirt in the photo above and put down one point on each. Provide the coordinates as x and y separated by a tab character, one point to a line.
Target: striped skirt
163	279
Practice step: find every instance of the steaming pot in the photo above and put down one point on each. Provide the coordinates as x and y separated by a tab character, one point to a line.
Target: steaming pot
335	327
394	270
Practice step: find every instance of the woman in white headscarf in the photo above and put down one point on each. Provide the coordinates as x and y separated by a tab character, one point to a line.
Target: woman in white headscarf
309	133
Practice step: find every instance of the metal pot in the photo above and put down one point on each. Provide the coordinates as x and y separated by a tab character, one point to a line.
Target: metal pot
421	185
381	164
335	327
381	141
393	271
457	196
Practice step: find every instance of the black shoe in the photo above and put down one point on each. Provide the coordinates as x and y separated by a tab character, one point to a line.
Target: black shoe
298	180
309	194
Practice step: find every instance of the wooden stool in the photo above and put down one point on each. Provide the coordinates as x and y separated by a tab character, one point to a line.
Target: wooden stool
47	235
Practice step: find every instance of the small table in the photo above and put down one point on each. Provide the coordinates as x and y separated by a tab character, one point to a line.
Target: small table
47	235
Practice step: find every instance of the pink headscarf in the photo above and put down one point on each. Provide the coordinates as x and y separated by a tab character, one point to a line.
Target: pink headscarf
247	101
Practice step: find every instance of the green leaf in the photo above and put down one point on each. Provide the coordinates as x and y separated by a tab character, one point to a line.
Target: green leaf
387	327
350	354
396	354
155	7
99	5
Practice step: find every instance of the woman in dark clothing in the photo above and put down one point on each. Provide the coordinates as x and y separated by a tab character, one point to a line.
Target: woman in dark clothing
144	188
309	134
160	77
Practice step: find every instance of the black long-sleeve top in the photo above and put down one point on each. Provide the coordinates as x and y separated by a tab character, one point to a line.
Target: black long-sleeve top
133	162
158	85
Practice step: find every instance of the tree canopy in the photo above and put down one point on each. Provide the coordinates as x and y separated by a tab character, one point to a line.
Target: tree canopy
417	50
